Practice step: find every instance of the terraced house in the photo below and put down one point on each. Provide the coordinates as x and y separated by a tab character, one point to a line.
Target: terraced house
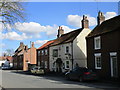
103	48
69	49
24	57
43	55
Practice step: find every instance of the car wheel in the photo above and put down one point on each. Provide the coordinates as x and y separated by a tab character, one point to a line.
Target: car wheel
68	77
80	79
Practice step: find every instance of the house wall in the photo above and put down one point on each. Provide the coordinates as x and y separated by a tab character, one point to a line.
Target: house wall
110	42
79	48
29	57
61	54
44	58
18	62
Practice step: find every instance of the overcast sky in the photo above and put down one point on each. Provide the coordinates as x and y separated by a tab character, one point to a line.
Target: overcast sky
43	19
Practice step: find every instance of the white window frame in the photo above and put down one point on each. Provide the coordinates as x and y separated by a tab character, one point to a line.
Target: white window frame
46	64
98	55
66	49
46	51
42	52
95	43
66	64
38	53
112	54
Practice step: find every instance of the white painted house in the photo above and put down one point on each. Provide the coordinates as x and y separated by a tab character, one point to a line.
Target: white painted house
69	50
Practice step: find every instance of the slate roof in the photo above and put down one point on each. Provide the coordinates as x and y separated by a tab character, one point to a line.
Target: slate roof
19	49
46	44
66	38
106	26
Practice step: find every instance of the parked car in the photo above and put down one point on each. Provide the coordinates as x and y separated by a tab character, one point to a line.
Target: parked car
81	74
5	67
37	70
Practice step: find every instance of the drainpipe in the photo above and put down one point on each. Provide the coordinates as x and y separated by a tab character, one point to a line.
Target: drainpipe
72	53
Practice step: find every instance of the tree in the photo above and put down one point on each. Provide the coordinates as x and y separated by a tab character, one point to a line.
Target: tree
11	12
9	52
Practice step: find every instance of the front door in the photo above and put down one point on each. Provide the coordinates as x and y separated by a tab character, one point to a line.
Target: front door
114	69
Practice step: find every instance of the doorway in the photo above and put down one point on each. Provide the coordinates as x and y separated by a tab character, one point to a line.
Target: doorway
114	69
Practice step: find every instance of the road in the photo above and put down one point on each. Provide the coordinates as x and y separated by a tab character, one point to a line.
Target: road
11	79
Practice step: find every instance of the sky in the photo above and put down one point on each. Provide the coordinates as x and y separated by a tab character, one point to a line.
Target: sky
43	19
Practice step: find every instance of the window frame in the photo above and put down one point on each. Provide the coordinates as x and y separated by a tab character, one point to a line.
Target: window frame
96	61
55	50
99	43
42	52
39	53
66	64
67	47
46	51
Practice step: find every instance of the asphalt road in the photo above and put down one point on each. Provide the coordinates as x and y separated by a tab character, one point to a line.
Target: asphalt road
11	79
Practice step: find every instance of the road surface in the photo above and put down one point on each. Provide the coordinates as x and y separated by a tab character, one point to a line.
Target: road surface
10	79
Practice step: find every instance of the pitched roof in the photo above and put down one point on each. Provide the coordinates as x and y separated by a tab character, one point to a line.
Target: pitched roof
105	27
20	48
10	58
2	58
46	44
66	38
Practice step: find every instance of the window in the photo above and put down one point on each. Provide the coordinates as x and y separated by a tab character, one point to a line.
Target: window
114	64
67	49
45	64
42	64
42	52
46	52
38	53
55	52
98	61
67	64
38	63
97	42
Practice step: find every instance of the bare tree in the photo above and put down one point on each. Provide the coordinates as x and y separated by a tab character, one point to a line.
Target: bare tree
11	12
9	52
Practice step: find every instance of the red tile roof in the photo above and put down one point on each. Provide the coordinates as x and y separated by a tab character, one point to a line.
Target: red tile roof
10	58
46	44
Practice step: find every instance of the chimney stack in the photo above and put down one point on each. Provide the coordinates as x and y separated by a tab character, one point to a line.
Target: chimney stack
85	22
26	47
60	32
100	18
32	44
21	43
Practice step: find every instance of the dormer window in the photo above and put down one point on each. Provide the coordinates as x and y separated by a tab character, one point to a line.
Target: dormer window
97	42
